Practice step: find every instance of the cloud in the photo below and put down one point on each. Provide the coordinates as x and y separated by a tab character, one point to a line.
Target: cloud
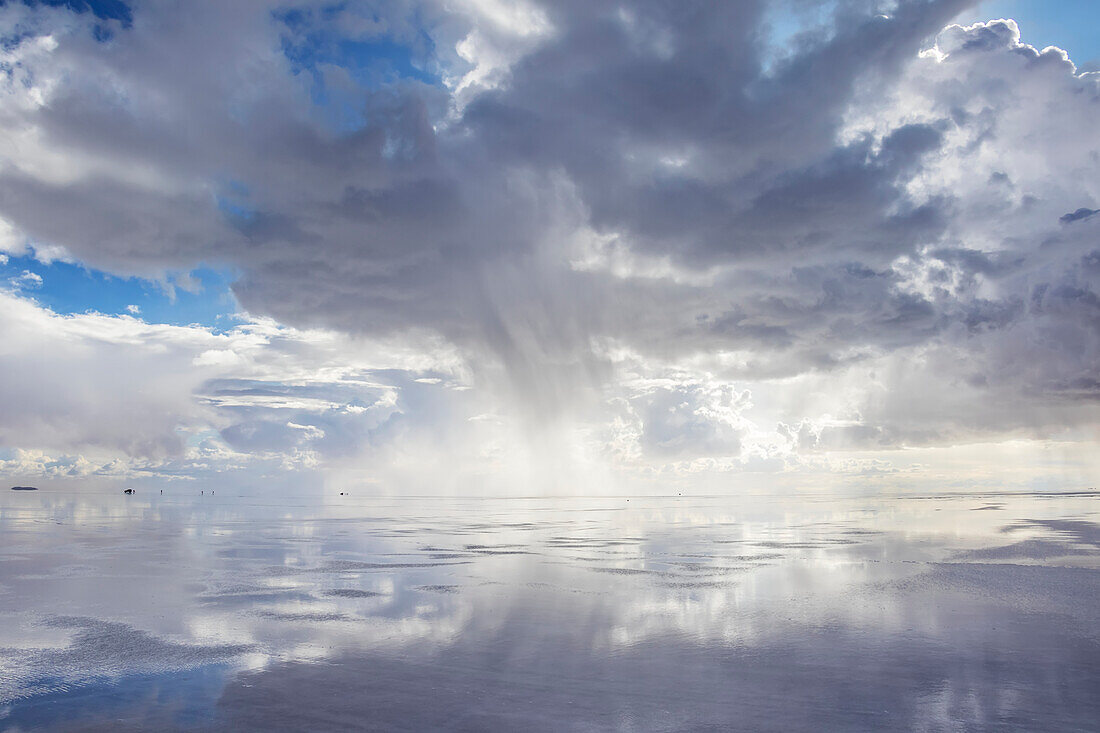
1078	215
102	395
26	281
614	221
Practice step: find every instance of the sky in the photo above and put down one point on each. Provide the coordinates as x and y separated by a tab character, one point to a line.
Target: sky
572	247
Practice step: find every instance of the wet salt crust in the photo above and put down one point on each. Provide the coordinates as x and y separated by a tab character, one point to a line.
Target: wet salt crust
317	612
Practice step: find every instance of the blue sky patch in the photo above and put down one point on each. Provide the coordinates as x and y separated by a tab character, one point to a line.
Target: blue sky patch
102	9
374	64
70	288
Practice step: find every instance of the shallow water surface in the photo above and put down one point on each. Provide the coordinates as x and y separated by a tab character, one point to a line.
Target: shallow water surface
794	612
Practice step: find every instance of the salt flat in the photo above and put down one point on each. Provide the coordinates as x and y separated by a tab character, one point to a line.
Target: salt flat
798	611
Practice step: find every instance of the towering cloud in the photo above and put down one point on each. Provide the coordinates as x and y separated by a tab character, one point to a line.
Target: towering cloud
661	238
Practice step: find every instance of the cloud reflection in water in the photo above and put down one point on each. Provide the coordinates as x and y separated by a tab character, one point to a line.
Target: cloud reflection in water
670	613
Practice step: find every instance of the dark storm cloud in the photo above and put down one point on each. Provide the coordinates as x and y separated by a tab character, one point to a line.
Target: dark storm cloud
760	169
378	208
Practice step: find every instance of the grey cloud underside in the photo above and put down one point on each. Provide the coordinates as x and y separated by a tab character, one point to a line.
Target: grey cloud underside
1078	215
753	210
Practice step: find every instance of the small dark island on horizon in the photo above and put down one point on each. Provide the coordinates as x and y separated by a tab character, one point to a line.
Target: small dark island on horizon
24	488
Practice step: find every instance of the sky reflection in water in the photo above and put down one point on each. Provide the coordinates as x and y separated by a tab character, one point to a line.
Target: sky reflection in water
676	613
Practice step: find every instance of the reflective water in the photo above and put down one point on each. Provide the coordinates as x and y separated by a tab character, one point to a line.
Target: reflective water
796	612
